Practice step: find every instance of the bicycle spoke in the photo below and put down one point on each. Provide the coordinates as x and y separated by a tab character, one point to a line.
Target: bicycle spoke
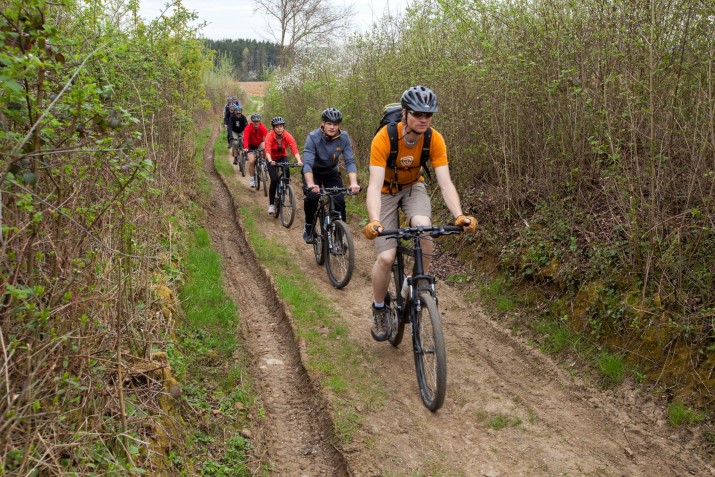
340	254
430	355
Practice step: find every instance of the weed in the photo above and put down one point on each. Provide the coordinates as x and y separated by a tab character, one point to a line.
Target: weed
680	414
556	336
500	421
612	367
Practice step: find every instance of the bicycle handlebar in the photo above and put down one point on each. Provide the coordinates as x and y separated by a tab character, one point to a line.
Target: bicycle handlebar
287	164
335	191
422	230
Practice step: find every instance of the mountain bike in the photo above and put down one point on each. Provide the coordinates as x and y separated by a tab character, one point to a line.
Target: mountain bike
285	195
332	239
238	154
417	294
261	171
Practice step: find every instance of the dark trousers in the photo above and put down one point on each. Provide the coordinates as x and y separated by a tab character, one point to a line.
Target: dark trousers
273	172
310	201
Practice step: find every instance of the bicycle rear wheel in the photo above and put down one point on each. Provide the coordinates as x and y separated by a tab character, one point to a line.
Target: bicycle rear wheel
318	243
396	328
286	203
430	355
340	254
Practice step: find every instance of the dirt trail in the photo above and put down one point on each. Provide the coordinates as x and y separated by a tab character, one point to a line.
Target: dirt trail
556	425
296	429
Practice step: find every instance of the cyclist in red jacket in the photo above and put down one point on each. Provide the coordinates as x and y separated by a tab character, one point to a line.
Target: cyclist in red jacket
254	137
278	142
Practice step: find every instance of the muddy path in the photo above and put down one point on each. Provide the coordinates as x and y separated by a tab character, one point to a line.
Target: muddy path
554	424
295	434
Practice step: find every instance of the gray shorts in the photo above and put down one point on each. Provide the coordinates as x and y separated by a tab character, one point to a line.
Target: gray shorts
413	200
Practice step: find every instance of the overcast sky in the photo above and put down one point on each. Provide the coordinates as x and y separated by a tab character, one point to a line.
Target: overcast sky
235	18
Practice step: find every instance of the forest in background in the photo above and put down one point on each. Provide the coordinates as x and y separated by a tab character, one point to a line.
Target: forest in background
252	60
582	136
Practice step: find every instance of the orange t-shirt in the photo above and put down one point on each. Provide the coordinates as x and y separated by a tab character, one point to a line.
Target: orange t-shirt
408	157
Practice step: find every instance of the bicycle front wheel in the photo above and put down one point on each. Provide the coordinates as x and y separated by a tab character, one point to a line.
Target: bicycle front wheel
287	205
264	178
242	162
318	242
340	254
430	355
258	177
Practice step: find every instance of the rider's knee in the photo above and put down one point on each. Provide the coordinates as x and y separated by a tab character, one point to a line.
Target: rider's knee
385	259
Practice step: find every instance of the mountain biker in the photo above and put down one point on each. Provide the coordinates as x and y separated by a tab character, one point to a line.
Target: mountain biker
277	143
236	125
230	101
403	187
254	138
324	147
226	115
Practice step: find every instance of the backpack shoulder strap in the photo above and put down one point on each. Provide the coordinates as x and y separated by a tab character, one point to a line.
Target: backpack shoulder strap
392	134
424	158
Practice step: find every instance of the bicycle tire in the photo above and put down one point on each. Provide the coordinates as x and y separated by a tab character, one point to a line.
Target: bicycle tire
242	162
339	254
264	178
286	202
396	328
318	236
257	171
430	355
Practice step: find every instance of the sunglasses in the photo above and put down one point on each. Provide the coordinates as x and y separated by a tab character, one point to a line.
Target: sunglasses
419	115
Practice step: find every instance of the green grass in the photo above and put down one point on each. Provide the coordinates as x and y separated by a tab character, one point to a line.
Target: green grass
208	359
495	293
679	414
222	164
338	363
211	364
498	421
555	336
612	367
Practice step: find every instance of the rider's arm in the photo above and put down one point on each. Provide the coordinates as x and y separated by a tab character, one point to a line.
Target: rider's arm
308	157
374	192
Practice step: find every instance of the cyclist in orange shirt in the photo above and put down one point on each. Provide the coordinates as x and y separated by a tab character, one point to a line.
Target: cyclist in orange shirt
402	187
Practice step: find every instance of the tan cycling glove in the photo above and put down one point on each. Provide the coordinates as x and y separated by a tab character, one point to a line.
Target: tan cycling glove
462	220
369	230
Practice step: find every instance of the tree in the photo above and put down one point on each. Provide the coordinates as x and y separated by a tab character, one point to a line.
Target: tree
304	22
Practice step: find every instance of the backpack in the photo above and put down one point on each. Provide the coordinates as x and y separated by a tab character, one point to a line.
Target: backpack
391	115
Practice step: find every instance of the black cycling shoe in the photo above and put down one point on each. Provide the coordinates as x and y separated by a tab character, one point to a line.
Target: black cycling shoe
308	233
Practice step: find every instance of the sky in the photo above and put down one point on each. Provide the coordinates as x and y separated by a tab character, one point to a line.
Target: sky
235	19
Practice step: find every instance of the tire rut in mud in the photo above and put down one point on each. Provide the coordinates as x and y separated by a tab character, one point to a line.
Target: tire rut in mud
295	437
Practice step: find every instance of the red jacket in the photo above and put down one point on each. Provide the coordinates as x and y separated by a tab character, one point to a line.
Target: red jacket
287	142
253	137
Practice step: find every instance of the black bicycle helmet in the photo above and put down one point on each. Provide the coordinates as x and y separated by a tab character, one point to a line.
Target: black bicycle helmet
419	99
277	121
255	117
332	115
